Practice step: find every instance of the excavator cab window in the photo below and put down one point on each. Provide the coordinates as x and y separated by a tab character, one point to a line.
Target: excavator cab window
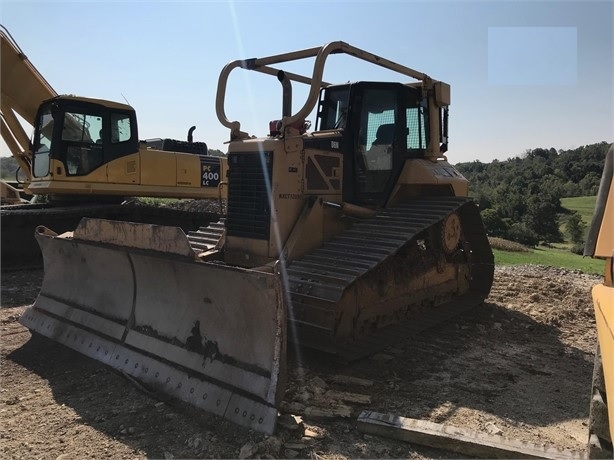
120	128
80	133
42	143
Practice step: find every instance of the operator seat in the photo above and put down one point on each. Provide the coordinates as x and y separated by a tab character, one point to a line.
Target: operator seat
384	135
380	154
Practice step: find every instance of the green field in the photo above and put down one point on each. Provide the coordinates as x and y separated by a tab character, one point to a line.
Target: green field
584	205
553	257
559	256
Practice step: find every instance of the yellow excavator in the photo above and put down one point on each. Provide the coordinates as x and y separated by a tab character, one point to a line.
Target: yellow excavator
90	147
85	158
344	239
600	243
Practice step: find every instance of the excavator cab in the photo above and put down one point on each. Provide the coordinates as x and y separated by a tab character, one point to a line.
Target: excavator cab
88	150
83	147
75	136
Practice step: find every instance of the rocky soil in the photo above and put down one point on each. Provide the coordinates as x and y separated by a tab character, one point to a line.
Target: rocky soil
520	365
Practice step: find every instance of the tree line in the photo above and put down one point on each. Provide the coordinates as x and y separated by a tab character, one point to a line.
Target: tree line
520	198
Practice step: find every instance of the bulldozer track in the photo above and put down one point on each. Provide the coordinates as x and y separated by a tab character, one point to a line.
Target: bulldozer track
206	238
19	248
317	281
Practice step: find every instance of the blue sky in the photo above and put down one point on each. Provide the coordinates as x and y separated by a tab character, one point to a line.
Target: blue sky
523	74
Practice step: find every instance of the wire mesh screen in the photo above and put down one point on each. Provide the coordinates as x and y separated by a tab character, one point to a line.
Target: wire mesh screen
377	120
415	124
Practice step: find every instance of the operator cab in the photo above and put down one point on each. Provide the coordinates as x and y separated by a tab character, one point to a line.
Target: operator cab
383	124
82	135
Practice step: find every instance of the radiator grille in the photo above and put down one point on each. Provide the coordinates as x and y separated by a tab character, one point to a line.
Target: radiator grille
249	206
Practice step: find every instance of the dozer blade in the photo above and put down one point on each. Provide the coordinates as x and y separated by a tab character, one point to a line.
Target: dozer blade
134	297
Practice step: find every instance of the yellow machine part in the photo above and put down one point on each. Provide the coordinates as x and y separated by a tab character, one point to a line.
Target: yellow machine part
152	173
600	243
10	194
340	266
23	89
603	299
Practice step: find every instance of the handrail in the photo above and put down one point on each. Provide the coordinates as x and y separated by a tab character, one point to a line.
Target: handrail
263	65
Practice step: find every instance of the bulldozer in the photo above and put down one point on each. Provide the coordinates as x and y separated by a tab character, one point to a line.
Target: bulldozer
600	243
344	239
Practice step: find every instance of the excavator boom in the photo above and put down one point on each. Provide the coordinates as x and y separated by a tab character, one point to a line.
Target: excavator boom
23	90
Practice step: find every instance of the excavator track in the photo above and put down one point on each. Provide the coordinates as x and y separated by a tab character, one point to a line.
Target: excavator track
320	280
20	249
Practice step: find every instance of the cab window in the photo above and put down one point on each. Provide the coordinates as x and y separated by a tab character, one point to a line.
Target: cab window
416	131
333	109
82	142
376	139
42	144
120	128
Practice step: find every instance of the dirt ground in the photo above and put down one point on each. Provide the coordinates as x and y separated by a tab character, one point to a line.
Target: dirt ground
520	366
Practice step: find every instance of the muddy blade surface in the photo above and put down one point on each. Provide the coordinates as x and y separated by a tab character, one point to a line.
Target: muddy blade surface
207	334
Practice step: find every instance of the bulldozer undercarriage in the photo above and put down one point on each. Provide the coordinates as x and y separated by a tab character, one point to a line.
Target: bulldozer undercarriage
389	276
138	298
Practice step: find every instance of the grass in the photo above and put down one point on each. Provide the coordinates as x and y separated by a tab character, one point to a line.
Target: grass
559	255
506	245
584	205
553	257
